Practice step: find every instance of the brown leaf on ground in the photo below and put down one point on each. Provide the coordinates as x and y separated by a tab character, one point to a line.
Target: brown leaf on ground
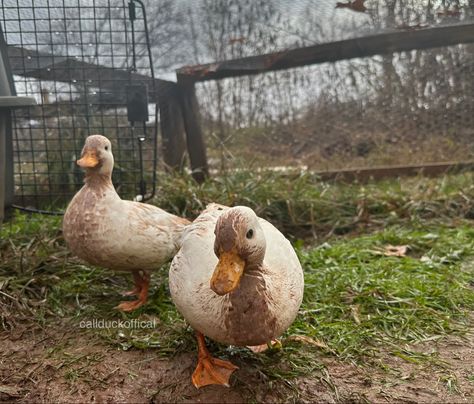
274	344
308	340
355	311
395	251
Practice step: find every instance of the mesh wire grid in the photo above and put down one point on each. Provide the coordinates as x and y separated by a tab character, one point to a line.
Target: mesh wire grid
76	58
405	108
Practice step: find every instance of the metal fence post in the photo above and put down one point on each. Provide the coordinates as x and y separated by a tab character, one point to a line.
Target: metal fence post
2	166
8	100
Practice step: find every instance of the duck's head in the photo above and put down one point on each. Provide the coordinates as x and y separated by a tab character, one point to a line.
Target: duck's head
96	156
239	244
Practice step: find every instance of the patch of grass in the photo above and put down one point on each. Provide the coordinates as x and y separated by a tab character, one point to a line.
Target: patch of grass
300	205
451	383
357	300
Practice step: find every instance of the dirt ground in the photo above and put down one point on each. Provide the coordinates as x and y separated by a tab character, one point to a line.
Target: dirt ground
63	364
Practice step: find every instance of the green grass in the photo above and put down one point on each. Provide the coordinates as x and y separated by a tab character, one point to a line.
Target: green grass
357	300
358	305
300	205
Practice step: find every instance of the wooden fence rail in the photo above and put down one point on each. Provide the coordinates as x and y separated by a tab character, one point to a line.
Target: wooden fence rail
380	44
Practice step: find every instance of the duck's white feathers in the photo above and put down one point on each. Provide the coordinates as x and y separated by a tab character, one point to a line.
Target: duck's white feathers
107	231
261	308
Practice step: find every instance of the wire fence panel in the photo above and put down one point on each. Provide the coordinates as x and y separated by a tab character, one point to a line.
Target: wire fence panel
79	60
403	108
393	108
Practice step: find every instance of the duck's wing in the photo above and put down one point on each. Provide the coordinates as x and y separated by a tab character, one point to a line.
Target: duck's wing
144	216
285	280
141	235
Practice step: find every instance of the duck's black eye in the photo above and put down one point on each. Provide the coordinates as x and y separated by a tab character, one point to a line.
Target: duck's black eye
249	234
106	147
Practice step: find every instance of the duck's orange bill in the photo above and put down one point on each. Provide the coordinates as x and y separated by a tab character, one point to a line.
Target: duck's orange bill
88	160
228	272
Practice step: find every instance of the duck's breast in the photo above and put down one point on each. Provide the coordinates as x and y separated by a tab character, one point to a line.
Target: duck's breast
268	298
190	274
83	227
122	235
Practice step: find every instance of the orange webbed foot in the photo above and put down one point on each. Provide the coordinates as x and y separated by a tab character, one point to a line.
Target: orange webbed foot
134	292
139	280
212	371
142	283
130	306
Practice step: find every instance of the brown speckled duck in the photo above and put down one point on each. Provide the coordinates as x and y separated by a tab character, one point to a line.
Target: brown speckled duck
106	231
237	280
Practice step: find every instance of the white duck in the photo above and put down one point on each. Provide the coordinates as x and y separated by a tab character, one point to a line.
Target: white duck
107	231
247	293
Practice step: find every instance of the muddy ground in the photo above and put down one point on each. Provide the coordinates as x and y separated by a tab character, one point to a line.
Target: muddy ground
66	364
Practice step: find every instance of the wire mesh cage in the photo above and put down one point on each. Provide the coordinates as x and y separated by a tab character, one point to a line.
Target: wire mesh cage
81	61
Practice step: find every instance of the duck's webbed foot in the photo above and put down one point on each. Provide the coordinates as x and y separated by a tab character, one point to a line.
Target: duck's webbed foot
210	370
142	284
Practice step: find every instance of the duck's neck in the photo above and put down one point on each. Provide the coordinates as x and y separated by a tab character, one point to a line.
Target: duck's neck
251	283
97	180
253	268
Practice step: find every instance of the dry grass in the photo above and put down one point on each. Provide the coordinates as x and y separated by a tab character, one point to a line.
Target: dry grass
303	145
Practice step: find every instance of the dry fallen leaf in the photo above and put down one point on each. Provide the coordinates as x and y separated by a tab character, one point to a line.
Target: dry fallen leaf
307	340
274	344
355	311
395	250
